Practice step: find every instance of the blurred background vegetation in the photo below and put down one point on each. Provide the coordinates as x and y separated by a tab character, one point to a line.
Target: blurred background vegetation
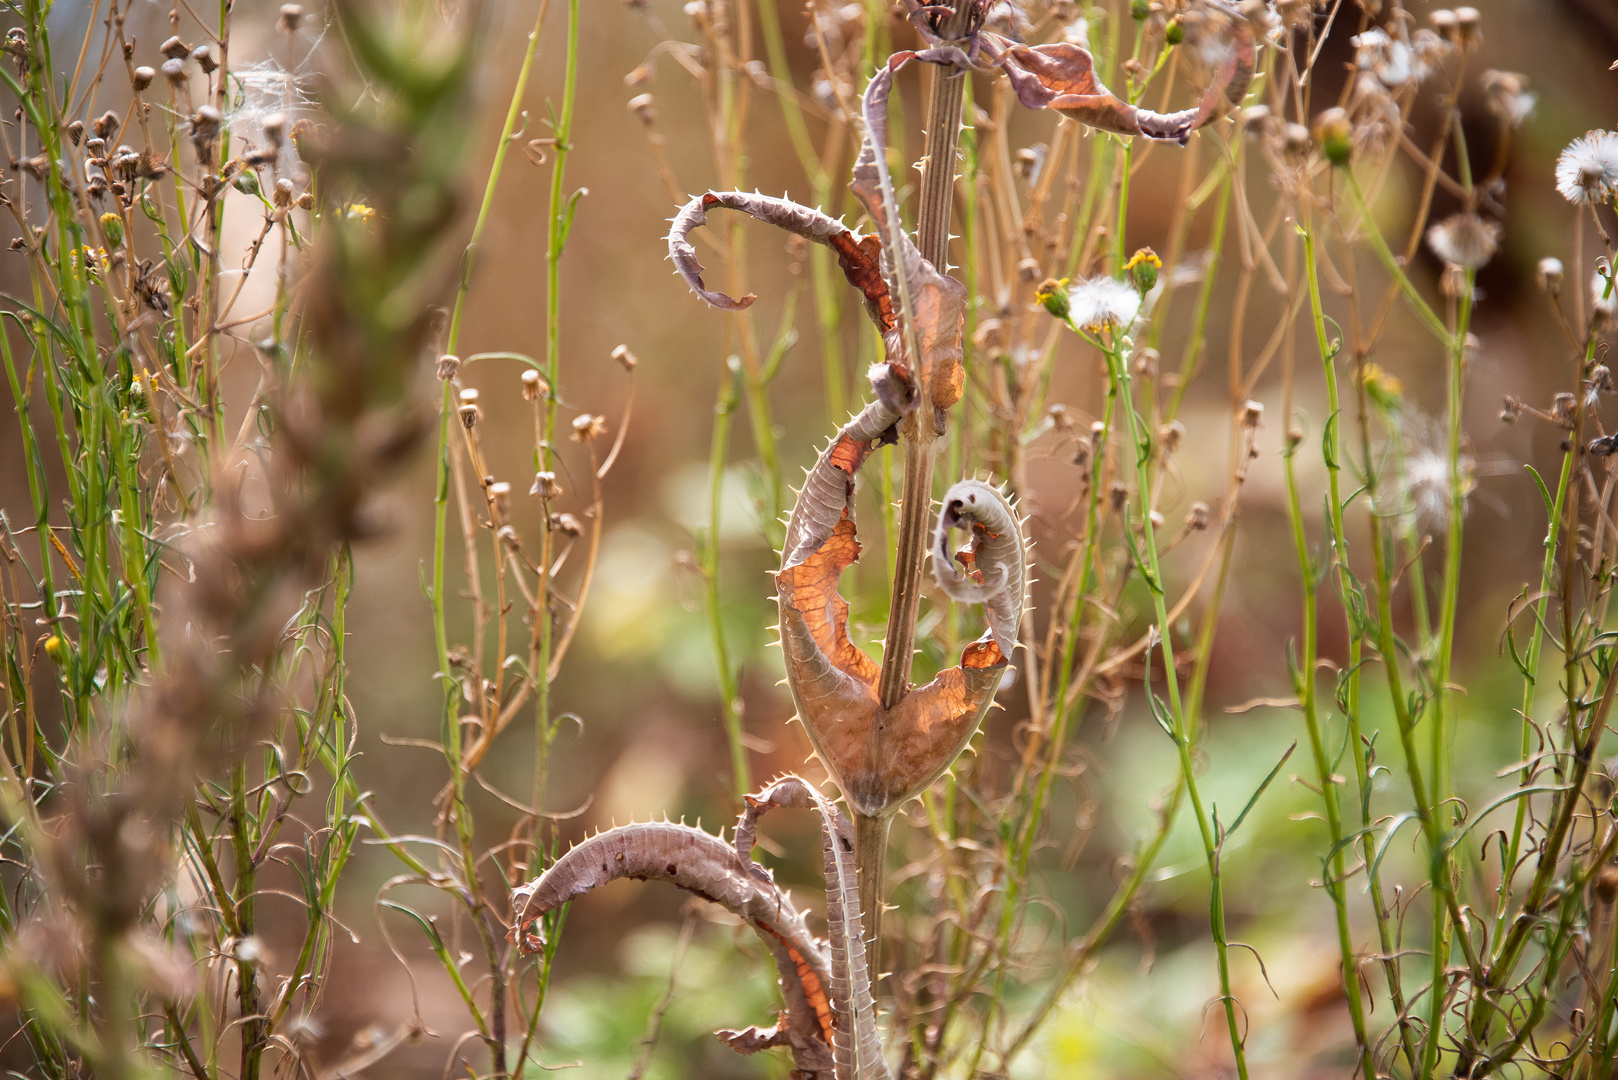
642	733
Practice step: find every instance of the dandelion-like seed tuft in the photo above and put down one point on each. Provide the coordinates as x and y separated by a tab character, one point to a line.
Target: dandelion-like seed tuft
1587	170
1101	303
1465	240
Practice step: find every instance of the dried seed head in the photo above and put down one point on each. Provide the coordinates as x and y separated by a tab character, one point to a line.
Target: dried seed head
1028	160
1452	282
174	49
990	332
530	385
1469	25
508	536
1603	295
1445	23
641	106
1507	96
174	72
275	128
1510	410
1171	435
1601	379
205	124
143	78
1464	239
1297	142
106	125
203	56
1158	520
587	427
305	201
1028	269
545	486
1061	419
448	365
283	193
625	358
1587	170
1197	519
567	525
1098	430
1119	494
500	495
1146	363
1252	414
640	76
1256	119
75	131
290	19
470	413
1563	407
1550	276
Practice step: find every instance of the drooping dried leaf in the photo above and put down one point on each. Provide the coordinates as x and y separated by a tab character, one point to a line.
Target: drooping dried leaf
1062	76
937	302
857	255
710	868
857	1047
879	758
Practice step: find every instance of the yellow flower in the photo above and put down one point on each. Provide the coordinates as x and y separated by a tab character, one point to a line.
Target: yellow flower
359	212
1386	390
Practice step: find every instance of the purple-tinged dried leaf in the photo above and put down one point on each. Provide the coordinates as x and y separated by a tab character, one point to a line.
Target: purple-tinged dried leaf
937	302
856	254
712	869
1062	76
857	1047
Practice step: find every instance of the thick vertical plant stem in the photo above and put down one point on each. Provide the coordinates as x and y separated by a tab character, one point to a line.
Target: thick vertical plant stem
920	452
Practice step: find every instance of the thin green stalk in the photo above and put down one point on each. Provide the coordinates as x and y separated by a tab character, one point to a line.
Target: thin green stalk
730	700
559	218
1305	676
1140	444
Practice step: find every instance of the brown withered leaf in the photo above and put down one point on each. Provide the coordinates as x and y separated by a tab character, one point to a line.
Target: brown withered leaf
712	869
880	758
1062	76
938	302
857	255
830	1018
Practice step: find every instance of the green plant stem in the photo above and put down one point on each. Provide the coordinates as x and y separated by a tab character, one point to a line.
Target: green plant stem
1140	444
559	218
1305	676
730	701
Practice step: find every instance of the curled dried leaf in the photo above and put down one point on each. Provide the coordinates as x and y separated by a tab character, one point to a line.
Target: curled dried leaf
857	1047
712	869
994	565
1062	76
857	255
936	303
879	758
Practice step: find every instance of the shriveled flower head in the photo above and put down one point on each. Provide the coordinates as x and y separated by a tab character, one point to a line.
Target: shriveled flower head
1603	296
1508	97
1465	240
1587	171
1391	60
1103	302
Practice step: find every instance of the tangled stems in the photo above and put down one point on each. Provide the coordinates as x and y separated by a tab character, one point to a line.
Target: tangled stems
1304	676
1171	716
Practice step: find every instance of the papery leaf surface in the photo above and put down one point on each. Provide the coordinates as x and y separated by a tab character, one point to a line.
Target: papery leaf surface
712	869
858	1046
